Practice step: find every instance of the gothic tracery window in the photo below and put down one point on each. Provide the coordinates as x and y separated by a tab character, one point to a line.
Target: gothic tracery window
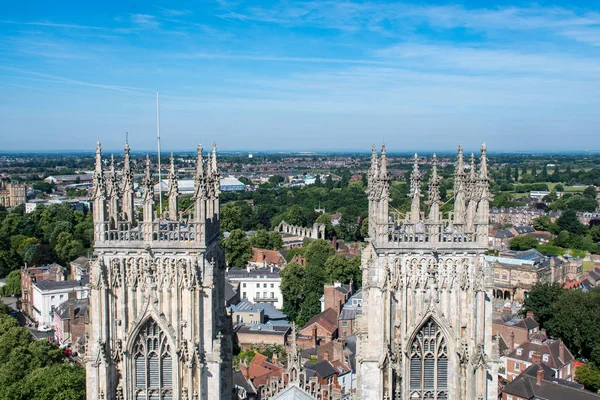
153	365
429	364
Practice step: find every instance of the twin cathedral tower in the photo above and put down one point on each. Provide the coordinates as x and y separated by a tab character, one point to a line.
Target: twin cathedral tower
158	328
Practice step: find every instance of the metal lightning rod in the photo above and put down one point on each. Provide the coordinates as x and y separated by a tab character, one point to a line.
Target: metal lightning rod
159	174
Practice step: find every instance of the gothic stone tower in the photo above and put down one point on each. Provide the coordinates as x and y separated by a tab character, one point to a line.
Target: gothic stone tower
426	328
158	327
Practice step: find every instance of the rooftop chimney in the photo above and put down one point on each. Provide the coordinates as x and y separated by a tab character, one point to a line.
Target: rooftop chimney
561	351
540	375
314	336
529	314
512	341
536	358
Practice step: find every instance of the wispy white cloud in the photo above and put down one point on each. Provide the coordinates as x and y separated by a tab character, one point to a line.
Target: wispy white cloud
272	58
62	80
52	25
144	21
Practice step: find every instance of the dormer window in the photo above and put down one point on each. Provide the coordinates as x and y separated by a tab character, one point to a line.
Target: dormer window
545	357
531	353
519	351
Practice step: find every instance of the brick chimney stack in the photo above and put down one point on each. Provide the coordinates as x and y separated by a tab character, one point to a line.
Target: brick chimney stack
561	351
536	358
540	375
314	336
512	341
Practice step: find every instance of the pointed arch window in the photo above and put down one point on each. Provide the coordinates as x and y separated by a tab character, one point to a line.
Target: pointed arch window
153	365
429	364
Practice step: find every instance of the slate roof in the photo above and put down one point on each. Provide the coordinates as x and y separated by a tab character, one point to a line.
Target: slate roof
327	319
80	307
230	292
523	230
239	380
527	323
503	234
57	285
292	393
322	368
525	386
264	329
256	273
549	347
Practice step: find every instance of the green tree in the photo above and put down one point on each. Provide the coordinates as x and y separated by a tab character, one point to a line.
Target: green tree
568	222
559	187
238	249
292	289
575	318
590	192
542	223
9	261
589	376
317	253
341	269
13	284
275	241
67	248
260	239
523	242
541	300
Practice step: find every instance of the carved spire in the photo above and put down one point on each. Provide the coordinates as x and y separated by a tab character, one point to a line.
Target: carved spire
215	176
415	192
148	195
127	187
483	189
460	198
112	189
472	196
383	174
99	196
200	176
434	192
173	190
483	172
99	186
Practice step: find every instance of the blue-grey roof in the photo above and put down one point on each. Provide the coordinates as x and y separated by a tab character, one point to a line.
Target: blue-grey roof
57	285
257	273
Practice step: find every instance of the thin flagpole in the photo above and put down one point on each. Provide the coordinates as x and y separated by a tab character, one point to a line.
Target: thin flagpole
159	173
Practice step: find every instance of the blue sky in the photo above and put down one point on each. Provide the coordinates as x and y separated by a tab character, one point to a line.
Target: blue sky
301	75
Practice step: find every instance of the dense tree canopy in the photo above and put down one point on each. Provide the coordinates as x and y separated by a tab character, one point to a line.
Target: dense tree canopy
34	370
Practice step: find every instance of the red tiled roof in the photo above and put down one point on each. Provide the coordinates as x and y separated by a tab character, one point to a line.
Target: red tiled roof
268	256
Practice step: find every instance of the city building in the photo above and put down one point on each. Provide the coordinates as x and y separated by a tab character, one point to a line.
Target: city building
12	194
187	186
257	285
538	382
47	295
70	179
262	258
69	321
158	325
80	267
539	349
31	275
426	318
